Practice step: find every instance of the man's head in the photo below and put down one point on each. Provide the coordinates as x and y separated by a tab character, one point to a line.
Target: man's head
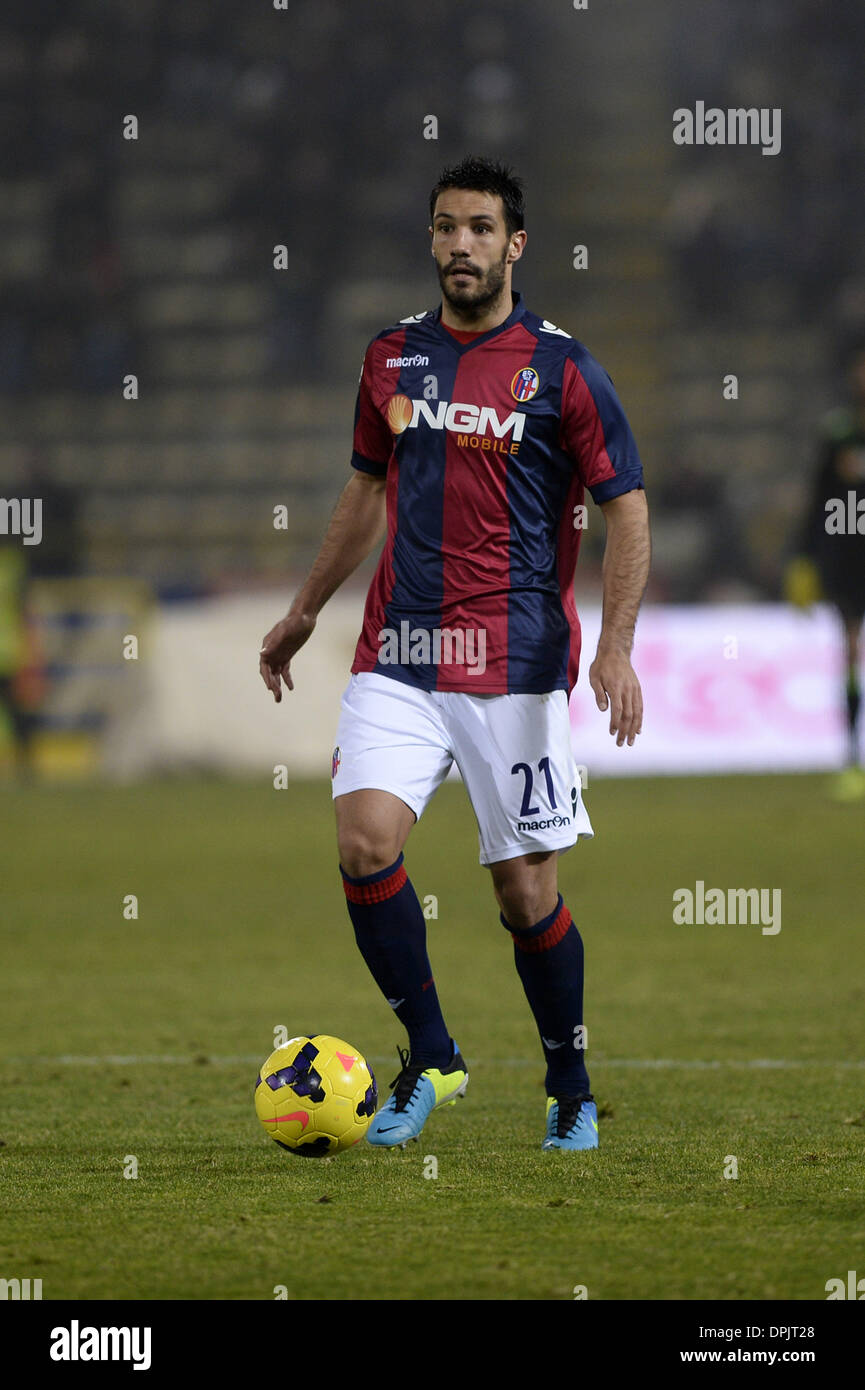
476	216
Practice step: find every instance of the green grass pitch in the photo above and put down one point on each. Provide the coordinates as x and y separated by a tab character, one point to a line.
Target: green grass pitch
141	1038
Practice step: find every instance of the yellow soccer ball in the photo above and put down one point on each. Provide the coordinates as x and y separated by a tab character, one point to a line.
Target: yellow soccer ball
315	1096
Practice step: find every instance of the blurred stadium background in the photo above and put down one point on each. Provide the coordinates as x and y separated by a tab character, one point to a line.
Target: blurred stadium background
260	127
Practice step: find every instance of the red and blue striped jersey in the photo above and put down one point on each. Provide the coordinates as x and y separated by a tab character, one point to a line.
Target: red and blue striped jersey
488	447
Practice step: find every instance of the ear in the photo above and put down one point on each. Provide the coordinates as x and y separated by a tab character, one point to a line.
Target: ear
517	246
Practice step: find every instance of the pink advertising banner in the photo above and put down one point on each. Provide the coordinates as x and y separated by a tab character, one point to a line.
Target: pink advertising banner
726	689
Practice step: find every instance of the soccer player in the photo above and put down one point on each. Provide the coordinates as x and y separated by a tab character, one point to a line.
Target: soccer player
831	550
478	427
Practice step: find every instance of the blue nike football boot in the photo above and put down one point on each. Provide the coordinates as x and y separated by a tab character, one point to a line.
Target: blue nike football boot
571	1123
417	1091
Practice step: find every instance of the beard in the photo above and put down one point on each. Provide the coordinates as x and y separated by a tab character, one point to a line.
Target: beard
473	299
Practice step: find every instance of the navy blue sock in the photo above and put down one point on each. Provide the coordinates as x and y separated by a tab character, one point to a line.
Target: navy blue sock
390	930
549	960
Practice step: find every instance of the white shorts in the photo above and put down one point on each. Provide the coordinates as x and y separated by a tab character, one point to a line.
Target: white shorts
513	753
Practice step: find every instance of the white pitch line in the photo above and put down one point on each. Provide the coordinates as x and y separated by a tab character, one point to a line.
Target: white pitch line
631	1063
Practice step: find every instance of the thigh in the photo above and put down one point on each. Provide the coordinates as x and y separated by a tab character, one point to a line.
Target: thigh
390	738
514	753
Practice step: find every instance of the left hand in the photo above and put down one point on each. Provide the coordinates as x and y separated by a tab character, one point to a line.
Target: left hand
615	683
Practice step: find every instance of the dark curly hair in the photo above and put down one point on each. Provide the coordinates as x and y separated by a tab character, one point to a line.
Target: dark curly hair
485	176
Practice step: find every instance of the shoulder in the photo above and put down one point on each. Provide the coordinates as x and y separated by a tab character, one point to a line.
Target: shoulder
553	337
402	327
389	347
559	343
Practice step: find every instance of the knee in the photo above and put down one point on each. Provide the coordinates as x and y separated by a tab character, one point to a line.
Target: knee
525	903
362	852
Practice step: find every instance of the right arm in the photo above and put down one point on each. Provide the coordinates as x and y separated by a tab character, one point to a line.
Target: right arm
357	524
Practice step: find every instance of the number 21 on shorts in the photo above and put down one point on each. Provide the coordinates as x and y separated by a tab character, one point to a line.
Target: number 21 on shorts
527	809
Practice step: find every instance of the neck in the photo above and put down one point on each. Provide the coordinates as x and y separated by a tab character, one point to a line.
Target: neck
471	321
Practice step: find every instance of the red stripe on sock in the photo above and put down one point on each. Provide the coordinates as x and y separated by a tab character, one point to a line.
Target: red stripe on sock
551	937
377	892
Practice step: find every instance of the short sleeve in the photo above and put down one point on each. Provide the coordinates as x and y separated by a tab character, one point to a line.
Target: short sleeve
373	442
595	432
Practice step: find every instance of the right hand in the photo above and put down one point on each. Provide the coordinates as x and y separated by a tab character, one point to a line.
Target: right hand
278	649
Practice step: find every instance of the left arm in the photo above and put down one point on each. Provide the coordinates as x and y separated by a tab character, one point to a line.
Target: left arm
625	572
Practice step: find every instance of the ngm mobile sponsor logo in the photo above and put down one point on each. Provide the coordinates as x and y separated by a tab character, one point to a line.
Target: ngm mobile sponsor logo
476	426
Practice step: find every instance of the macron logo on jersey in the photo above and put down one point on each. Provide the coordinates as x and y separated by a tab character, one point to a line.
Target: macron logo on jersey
416	361
477	427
